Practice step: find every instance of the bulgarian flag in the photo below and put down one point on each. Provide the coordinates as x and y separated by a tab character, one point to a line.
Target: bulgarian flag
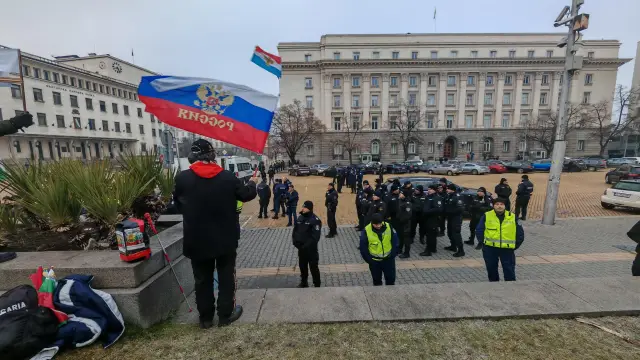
46	286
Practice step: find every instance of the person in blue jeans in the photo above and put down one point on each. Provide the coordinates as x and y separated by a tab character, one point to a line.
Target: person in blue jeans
292	203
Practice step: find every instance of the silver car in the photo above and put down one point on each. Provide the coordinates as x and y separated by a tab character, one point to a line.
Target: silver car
446	169
475	169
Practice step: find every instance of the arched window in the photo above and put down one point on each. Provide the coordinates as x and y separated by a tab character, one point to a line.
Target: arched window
412	148
375	147
487	145
337	149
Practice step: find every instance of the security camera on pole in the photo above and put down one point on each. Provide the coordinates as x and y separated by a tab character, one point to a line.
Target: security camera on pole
576	23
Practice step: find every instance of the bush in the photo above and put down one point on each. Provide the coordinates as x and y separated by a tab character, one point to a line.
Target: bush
166	183
146	168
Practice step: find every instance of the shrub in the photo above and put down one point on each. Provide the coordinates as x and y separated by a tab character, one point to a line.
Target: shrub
166	183
145	167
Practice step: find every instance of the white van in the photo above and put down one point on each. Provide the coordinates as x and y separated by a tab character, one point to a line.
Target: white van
240	166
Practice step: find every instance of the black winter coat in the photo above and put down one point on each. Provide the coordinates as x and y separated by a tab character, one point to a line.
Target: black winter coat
503	191
306	231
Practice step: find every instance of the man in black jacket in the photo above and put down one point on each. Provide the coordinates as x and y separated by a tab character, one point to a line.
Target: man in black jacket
403	216
361	201
331	202
292	204
432	212
264	193
418	201
377	206
306	235
480	204
523	195
453	208
207	196
503	191
442	192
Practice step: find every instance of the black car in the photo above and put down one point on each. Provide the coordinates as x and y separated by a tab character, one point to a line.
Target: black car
395	168
332	170
516	166
623	172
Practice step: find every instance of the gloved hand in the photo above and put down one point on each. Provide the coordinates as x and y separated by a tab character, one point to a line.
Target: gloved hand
22	120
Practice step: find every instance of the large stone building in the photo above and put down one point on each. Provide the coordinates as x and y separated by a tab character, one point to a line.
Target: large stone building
470	92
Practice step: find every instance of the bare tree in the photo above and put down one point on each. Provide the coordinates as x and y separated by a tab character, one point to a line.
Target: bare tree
405	124
609	120
543	128
350	130
293	126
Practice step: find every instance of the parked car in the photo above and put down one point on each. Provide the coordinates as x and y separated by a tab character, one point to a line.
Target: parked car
474	169
625	193
633	159
573	165
425	167
395	168
299	170
615	162
624	172
594	164
372	168
495	167
516	166
332	170
318	169
412	166
542	165
446	169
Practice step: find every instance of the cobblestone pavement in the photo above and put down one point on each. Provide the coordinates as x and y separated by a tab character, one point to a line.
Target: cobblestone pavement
271	248
579	196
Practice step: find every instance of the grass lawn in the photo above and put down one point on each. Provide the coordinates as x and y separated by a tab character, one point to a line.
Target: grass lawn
472	339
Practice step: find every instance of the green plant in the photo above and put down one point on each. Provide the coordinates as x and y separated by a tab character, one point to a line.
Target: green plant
10	217
146	168
166	183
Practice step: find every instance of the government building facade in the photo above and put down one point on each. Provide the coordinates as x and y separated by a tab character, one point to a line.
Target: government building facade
471	93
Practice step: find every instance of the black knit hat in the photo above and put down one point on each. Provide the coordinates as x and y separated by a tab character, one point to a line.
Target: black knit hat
433	187
366	182
452	187
308	204
376	218
443	180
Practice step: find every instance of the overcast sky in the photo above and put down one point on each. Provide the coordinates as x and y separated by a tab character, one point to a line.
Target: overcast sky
214	38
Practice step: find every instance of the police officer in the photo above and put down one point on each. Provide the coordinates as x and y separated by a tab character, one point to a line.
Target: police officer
407	189
404	215
432	211
331	202
379	247
453	208
418	200
381	187
306	235
501	235
342	175
442	192
480	204
264	193
361	199
377	206
523	195
292	204
503	191
280	197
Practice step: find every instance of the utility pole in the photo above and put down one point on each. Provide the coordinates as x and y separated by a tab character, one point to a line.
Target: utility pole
576	23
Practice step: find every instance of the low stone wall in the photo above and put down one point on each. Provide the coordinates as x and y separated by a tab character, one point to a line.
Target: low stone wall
146	292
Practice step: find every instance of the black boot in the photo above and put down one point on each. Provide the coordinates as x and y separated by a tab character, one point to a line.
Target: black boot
459	253
441	233
235	315
425	253
206	324
469	242
275	217
302	285
479	246
260	216
422	240
451	248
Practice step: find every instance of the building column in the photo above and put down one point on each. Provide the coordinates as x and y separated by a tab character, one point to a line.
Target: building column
404	88
462	99
555	91
384	124
498	94
442	99
366	95
536	95
518	98
482	79
576	96
326	101
346	94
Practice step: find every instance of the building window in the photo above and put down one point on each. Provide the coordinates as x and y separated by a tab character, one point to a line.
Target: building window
394	81
16	144
411	148
375	147
114	108
105	125
80	83
413	99
101	89
474	53
580	145
512	54
544	98
103	106
60	121
549	53
73	81
493	53
526	80
356	55
453	54
434	54
488	98
310	150
141	129
42	119
506	98
449	124
586	97
506	120
139	112
469	99
117	126
92	124
530	53
336	101
431	121
486	146
414	55
45	74
451	80
395	55
508	80
374	101
57	98
74	101
336	123
37	95
413	81
355	101
394	148
375	81
486	121
591	54
545	79
393	100
89	103
108	90
412	121
153	132
125	109
489	81
56	77
25	70
431	99
153	118
64	79
308	83
524	119
355	81
431	147
119	90
336	56
16	91
36	73
355	122
588	79
505	146
307	57
451	99
432	81
375	55
374	123
76	123
88	86
393	122
468	121
471	80
336	83
525	98
309	102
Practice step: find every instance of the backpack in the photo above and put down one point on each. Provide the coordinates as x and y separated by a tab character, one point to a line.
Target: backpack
25	327
133	240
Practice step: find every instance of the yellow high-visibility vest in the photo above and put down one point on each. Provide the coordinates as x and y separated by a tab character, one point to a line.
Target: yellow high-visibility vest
239	206
379	250
500	235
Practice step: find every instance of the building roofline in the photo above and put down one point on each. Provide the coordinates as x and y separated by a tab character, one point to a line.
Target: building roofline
70	59
448	34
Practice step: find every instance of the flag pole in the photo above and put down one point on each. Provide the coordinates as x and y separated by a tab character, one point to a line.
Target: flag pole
22	88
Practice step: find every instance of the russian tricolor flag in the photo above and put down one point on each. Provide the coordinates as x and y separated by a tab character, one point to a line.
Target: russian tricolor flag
269	62
232	113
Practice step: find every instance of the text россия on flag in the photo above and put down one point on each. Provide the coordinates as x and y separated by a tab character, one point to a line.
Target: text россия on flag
267	61
232	113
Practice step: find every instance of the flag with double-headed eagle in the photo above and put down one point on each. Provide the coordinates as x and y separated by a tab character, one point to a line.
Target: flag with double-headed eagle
235	114
267	61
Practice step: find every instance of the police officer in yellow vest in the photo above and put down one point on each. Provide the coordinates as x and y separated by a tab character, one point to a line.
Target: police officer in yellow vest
379	246
501	235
